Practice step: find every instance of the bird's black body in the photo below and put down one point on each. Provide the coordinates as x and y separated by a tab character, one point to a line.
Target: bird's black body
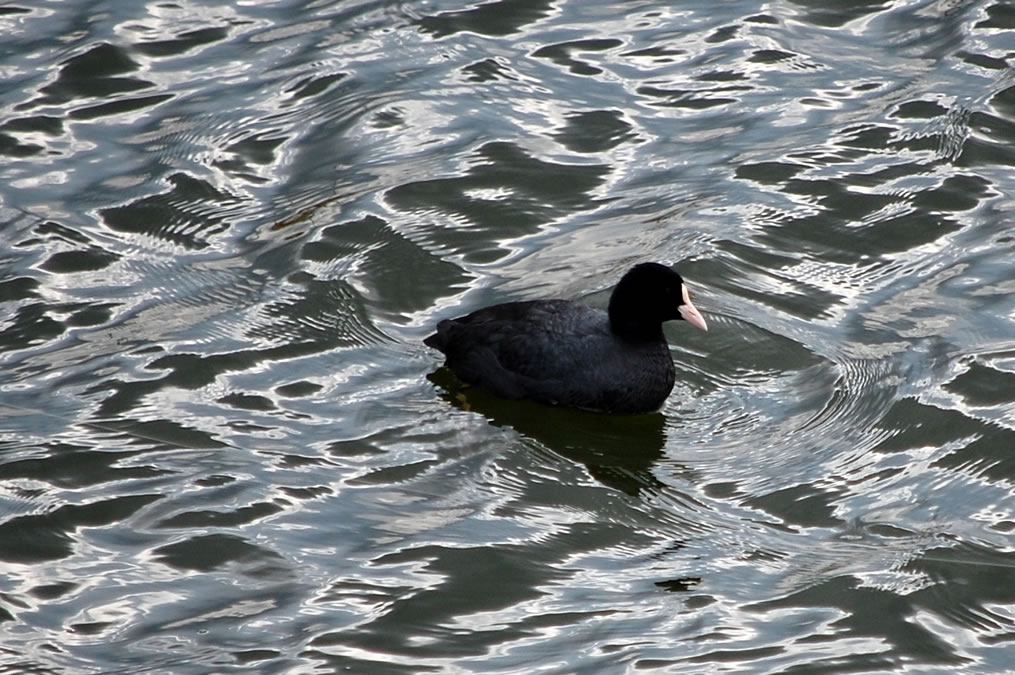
563	353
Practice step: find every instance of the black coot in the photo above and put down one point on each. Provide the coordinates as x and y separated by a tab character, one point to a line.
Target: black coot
564	353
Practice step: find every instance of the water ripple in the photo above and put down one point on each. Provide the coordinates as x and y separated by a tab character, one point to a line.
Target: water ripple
226	230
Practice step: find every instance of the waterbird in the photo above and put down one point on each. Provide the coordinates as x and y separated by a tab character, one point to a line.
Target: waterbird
564	353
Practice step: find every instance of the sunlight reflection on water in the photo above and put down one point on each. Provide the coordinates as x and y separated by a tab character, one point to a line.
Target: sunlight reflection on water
227	230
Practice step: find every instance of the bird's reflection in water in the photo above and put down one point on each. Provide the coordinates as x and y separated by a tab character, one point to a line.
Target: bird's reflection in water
618	450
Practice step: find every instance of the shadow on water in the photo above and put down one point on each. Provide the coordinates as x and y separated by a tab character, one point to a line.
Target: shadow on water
618	450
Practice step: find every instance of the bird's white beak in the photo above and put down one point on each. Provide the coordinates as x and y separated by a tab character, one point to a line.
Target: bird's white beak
690	313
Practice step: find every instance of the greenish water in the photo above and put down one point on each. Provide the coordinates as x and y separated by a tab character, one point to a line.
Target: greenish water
225	230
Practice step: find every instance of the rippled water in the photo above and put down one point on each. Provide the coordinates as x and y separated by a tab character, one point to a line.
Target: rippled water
227	227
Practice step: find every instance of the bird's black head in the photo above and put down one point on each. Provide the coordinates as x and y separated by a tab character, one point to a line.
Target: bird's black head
646	296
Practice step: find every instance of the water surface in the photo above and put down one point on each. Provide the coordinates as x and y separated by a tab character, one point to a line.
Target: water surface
227	228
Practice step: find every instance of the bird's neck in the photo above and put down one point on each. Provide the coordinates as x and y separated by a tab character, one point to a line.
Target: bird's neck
635	328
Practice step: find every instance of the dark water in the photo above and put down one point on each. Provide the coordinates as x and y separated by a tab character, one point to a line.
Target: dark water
227	227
